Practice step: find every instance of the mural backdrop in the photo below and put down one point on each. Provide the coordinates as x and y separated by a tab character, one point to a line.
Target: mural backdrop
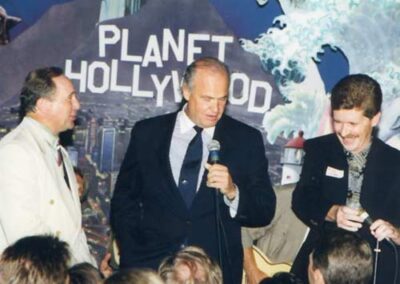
126	59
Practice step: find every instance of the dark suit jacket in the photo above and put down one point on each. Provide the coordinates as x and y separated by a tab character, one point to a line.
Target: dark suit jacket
317	192
149	216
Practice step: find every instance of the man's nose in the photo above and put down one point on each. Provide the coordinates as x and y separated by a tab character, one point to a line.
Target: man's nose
345	130
214	106
76	104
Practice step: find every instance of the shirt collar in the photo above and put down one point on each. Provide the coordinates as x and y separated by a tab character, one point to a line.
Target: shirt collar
45	132
363	153
186	124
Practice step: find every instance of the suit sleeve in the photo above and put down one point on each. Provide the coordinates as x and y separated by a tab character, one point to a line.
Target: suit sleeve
126	200
308	202
257	198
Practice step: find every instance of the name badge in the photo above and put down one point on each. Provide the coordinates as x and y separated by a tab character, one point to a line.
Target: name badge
332	172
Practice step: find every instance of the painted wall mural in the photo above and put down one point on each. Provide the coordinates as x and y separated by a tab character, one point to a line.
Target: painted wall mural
126	59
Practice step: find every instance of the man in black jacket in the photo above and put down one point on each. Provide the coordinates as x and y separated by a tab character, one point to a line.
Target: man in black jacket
154	212
349	173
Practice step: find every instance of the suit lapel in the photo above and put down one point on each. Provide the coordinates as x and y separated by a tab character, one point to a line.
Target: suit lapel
204	199
222	135
370	182
337	160
170	191
57	181
73	191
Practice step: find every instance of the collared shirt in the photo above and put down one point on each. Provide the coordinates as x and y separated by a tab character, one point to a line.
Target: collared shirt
357	163
45	132
51	140
182	135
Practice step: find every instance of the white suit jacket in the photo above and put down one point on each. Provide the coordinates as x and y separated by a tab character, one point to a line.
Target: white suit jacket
34	198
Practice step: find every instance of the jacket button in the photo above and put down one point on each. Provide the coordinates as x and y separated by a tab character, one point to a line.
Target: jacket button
51	201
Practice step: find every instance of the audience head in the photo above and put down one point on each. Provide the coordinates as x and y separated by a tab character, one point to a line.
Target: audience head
205	87
190	265
356	104
82	186
49	97
282	278
134	276
341	257
35	259
84	273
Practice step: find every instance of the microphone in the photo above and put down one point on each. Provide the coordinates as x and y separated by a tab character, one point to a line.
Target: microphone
368	220
353	201
213	148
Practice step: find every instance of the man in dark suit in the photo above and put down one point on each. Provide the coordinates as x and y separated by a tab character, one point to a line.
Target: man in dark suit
349	173
153	215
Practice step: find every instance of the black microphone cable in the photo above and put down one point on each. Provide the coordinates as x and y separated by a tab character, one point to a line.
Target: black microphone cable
353	201
368	221
214	148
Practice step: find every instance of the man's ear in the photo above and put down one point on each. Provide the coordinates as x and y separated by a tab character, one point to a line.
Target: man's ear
318	277
42	105
375	120
186	91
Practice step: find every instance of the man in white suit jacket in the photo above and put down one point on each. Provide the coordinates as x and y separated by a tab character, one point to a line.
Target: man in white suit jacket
38	188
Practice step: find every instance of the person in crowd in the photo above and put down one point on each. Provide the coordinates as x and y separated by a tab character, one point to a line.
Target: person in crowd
280	241
282	278
350	174
87	209
136	276
341	257
82	185
38	188
35	259
84	273
190	265
164	197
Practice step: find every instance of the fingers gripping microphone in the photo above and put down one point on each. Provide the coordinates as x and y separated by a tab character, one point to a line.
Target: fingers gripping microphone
213	148
353	201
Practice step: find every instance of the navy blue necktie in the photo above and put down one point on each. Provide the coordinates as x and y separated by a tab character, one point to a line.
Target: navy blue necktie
191	167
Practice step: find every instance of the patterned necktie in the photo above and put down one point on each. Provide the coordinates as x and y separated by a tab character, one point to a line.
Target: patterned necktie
190	168
60	161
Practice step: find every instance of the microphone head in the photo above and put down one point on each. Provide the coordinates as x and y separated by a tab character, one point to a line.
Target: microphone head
213	146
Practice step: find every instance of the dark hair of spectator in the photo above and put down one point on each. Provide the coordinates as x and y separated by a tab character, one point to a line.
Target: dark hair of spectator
134	276
84	273
343	257
35	259
282	278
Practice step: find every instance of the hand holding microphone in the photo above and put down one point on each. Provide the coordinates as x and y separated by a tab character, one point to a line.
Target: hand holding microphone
351	216
380	229
218	175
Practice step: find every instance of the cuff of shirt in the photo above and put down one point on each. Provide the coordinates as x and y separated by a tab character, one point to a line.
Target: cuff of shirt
233	204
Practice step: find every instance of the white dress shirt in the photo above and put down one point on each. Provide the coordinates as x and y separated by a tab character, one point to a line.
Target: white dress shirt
182	135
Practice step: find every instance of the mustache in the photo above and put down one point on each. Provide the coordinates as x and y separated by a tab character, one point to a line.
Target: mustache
348	136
